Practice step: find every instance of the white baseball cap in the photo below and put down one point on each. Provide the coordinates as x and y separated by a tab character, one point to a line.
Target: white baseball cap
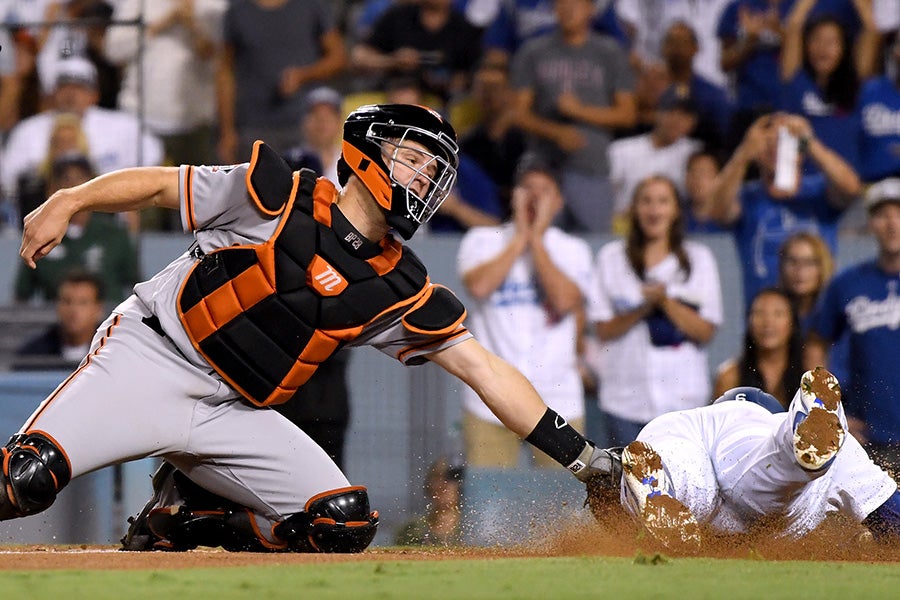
886	190
76	69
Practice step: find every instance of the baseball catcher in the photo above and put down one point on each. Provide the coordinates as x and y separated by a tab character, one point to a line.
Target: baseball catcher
284	271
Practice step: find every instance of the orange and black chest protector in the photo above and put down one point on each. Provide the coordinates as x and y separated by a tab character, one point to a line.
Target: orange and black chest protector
266	315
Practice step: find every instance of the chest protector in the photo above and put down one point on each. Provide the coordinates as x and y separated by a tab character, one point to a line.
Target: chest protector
266	315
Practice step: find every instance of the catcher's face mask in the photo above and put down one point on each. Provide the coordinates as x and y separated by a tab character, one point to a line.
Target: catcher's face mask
405	155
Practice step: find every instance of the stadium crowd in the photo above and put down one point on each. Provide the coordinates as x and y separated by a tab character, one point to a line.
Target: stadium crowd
777	121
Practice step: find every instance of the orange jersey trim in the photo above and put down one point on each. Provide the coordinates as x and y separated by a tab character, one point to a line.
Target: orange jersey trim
87	361
189	198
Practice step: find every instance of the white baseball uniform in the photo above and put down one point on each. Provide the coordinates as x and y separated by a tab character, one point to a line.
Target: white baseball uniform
515	323
732	464
139	393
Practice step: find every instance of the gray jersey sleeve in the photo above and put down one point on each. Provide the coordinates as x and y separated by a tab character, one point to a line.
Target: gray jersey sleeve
217	208
412	348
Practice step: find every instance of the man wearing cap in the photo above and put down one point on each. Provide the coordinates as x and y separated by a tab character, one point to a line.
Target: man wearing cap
663	151
112	135
865	301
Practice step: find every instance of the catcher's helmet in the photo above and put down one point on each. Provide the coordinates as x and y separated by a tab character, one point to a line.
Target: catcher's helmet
373	136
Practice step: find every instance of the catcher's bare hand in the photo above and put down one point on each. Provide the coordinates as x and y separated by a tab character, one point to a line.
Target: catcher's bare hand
44	228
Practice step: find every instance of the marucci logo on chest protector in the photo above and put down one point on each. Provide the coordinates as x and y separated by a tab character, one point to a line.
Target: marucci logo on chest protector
324	278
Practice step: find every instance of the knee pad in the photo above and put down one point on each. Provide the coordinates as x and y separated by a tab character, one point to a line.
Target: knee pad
337	521
35	470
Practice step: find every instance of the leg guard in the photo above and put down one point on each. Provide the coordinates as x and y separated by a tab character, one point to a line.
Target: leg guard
336	521
35	470
181	516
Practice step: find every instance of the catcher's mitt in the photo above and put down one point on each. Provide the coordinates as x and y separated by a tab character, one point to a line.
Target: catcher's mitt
603	486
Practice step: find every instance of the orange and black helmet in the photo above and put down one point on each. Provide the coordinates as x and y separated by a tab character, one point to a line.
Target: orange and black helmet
373	137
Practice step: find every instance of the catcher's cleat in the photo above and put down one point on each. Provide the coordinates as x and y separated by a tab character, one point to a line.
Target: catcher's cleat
139	538
648	493
818	419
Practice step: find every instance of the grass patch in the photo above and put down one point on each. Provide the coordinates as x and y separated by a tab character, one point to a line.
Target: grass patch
651	576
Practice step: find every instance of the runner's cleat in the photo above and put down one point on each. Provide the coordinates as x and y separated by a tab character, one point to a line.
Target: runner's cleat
819	423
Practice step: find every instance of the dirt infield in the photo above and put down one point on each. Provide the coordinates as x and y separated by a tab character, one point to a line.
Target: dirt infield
834	541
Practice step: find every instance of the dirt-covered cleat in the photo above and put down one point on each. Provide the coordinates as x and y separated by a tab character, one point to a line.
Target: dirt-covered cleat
648	493
818	419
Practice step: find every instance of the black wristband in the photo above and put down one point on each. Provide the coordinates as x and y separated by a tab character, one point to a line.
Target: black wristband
556	438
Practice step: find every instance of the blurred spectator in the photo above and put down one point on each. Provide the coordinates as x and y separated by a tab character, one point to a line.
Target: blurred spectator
887	19
441	523
528	279
114	137
79	311
274	52
750	35
649	22
700	186
679	48
494	142
78	30
821	74
321	407
173	86
363	17
663	151
66	137
864	302
521	20
406	89
879	105
97	243
656	303
772	354
805	268
651	81
321	128
762	215
473	202
428	39
574	88
11	76
22	49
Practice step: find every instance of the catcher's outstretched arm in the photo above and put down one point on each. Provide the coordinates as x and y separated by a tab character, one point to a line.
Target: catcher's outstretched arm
504	390
514	401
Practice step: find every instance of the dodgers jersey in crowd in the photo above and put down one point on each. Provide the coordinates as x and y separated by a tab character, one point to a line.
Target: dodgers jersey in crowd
653	368
865	301
515	323
879	102
765	223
